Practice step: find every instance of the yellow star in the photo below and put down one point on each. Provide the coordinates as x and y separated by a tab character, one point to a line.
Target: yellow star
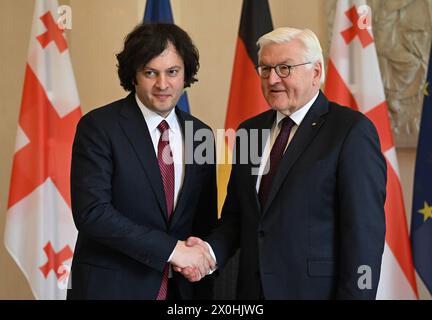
426	211
426	89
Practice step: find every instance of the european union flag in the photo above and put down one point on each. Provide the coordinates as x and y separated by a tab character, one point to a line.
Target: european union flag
421	219
160	11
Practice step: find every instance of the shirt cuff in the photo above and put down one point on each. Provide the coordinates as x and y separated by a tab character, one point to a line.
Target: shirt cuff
213	256
171	255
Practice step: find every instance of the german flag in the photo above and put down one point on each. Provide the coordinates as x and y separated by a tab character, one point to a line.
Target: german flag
245	99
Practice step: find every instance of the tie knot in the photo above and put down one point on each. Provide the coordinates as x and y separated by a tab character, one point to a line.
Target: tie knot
163	126
287	123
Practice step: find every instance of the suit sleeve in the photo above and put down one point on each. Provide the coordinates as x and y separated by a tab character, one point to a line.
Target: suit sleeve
205	220
225	239
206	217
94	215
361	191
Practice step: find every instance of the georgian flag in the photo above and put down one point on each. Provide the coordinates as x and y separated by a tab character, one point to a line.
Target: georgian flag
40	234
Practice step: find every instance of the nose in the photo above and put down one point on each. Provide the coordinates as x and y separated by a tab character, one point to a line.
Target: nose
273	77
162	82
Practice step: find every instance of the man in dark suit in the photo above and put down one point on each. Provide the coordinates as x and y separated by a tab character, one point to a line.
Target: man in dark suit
136	191
311	224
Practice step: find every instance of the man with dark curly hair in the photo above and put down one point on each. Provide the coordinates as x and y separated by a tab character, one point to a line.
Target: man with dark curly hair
134	196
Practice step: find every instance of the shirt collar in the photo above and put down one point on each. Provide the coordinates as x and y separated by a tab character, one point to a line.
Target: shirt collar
299	115
153	119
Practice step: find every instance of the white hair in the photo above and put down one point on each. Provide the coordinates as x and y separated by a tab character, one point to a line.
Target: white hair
313	51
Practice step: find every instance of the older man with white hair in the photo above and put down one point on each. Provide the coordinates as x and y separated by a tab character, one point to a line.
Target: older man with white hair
311	224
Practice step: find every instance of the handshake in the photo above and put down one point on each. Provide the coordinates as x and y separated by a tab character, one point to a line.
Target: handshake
192	259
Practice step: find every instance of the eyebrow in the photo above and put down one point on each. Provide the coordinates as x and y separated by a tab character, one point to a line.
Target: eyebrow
286	61
169	68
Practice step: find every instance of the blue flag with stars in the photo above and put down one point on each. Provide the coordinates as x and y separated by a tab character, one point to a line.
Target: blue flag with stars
421	219
160	11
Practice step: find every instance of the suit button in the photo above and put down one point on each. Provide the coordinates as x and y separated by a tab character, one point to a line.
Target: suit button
261	234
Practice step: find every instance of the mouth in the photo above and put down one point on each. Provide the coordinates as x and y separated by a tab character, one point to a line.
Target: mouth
276	91
162	97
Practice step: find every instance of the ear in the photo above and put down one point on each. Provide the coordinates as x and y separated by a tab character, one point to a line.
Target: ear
317	72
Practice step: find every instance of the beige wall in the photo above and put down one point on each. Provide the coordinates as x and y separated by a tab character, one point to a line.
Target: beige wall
99	27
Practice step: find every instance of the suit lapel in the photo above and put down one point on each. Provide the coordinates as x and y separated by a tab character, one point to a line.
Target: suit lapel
302	138
264	124
189	173
135	128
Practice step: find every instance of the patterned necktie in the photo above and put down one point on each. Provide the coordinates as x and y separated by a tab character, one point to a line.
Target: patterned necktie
166	167
274	159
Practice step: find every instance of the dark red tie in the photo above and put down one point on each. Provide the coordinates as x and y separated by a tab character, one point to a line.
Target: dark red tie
166	167
274	159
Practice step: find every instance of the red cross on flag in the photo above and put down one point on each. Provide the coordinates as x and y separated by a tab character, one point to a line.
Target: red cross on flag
354	80
40	234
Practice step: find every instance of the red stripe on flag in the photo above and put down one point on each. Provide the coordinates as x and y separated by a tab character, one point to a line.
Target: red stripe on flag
49	151
336	89
246	99
379	116
396	227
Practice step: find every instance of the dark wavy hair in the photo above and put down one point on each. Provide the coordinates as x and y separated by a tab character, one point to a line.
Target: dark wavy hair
149	40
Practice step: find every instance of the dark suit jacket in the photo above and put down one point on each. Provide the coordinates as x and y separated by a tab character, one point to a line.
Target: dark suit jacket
324	217
119	207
